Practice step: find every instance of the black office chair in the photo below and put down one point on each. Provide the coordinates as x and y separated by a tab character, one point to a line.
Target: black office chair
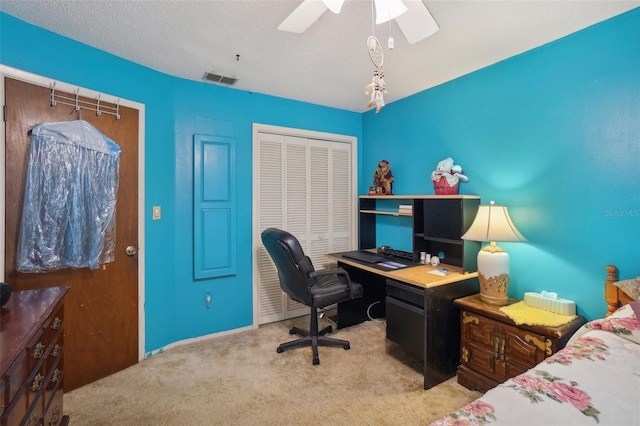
302	283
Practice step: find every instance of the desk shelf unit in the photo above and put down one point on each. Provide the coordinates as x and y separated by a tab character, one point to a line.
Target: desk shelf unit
438	222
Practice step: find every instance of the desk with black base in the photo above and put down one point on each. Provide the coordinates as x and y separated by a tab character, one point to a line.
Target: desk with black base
418	307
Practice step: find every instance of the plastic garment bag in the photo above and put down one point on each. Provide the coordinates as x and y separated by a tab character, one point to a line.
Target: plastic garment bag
71	187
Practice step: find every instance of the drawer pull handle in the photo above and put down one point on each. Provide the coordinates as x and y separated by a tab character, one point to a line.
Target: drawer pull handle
56	375
57	349
37	382
56	323
465	354
56	417
38	351
540	344
34	419
466	319
496	348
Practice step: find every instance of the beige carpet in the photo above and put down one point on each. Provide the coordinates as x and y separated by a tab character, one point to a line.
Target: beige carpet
239	379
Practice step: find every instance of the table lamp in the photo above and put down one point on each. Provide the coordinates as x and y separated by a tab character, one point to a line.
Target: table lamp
492	223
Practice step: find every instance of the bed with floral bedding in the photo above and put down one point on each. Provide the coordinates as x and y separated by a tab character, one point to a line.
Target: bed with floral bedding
594	380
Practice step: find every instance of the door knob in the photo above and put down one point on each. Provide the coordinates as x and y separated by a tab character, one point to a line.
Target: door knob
131	250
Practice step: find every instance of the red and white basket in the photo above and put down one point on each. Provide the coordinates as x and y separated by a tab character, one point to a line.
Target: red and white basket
442	187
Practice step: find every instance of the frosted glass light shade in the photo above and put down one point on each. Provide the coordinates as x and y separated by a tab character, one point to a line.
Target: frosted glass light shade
387	10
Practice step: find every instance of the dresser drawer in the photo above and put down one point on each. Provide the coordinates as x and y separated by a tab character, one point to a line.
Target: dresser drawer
35	412
479	330
16	376
53	413
16	410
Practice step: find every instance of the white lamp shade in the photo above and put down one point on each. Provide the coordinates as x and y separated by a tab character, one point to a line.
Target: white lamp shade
387	10
492	223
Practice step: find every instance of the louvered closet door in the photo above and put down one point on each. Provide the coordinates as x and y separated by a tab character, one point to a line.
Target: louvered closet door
305	188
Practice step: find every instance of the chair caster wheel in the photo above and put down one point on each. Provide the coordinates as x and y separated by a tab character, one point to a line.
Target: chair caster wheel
329	329
346	347
279	350
316	361
291	331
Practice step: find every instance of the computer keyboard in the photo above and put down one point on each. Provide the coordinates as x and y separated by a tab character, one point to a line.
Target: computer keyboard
363	256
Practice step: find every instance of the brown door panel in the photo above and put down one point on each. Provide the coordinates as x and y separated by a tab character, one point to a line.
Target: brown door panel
101	307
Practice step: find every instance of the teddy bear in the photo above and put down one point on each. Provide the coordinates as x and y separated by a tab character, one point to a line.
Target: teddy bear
450	171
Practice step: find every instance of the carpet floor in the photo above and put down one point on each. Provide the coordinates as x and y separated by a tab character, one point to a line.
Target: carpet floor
239	379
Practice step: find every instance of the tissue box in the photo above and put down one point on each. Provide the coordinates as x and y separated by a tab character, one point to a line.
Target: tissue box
557	305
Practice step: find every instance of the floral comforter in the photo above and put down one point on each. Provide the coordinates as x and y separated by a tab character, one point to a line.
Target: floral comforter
594	380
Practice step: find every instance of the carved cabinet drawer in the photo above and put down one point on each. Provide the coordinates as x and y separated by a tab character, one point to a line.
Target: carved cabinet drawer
32	341
493	348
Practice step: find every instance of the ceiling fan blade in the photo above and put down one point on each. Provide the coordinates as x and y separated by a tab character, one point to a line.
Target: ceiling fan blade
303	16
334	5
387	10
417	23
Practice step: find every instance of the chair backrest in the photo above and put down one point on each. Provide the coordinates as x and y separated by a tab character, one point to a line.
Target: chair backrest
292	264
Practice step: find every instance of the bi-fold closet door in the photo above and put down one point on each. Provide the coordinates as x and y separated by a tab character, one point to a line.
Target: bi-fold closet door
306	188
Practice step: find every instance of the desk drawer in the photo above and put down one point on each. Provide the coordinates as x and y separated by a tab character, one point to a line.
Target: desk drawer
405	326
406	293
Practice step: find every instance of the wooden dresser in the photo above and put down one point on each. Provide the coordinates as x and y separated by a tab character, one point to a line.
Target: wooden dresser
31	342
493	348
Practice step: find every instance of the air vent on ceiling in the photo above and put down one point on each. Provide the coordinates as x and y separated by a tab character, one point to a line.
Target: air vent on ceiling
216	78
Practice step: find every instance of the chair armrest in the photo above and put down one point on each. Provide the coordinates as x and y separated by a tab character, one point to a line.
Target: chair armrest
322	272
337	271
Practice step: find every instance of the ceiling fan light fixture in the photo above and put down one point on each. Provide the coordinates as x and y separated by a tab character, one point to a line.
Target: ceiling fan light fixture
387	10
334	5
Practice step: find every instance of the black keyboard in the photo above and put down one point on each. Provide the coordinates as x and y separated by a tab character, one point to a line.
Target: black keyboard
363	256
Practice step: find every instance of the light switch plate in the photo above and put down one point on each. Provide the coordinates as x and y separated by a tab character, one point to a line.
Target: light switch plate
156	213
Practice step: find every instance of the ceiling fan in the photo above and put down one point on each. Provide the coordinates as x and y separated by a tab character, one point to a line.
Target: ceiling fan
412	16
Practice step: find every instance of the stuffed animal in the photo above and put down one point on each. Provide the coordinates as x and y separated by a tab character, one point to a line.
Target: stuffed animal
377	90
383	178
451	172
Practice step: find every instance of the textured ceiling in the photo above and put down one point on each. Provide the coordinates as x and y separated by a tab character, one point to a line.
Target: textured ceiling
326	65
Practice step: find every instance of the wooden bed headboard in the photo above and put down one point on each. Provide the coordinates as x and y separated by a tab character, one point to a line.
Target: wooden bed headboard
612	294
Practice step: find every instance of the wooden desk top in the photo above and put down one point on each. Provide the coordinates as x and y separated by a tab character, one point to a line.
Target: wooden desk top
416	275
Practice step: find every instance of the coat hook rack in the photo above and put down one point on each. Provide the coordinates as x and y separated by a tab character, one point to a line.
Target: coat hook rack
79	104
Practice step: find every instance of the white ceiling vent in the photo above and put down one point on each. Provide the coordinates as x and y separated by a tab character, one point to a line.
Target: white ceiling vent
221	79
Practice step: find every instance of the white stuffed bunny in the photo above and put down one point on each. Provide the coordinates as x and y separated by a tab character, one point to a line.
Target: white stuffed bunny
451	172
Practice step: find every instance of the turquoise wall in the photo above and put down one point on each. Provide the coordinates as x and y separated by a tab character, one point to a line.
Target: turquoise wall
554	134
175	110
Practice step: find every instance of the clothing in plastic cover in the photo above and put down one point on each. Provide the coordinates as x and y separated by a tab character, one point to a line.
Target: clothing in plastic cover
71	187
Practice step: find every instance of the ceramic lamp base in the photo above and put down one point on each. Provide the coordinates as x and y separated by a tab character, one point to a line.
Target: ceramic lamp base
493	274
493	290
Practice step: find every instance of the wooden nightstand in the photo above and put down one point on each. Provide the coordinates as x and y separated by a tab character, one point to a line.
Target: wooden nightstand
493	348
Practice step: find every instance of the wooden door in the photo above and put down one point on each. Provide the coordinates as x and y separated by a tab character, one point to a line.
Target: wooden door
101	307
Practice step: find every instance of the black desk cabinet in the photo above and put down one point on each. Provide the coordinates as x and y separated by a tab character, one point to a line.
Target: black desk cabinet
421	317
426	323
